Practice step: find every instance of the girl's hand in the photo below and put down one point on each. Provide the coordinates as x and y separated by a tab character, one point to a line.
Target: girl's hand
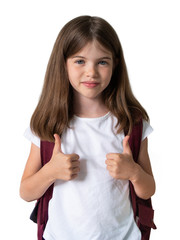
122	166
63	166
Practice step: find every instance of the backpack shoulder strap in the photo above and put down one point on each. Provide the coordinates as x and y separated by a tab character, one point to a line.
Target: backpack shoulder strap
143	212
135	139
40	212
46	149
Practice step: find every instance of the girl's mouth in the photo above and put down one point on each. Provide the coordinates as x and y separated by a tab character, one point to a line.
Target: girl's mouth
90	84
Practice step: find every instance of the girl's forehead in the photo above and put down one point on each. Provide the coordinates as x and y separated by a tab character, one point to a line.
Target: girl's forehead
94	47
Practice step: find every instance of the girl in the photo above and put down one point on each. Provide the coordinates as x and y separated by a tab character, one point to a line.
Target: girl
86	107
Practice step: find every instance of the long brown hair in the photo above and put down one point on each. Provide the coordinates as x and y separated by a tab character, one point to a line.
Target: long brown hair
55	107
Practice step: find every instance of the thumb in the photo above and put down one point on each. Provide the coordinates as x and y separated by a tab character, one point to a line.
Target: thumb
126	147
57	146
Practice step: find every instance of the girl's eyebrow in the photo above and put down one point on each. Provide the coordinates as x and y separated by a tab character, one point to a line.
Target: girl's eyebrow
78	57
97	59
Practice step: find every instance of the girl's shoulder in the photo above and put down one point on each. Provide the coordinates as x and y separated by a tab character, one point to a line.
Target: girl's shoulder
28	134
147	129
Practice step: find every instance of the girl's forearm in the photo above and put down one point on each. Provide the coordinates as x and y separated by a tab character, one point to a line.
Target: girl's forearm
144	184
33	187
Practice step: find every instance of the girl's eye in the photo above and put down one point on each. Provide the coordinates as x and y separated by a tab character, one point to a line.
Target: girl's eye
80	62
103	63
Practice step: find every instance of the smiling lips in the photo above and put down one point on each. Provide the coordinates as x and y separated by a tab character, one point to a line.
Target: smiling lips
90	84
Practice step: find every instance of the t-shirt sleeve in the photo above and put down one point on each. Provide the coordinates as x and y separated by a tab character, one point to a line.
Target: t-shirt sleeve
147	130
28	134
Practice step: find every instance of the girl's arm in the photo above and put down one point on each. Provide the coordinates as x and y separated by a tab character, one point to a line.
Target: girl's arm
37	179
122	166
143	180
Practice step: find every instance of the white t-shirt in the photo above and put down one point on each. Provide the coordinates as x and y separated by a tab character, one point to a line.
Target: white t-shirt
93	206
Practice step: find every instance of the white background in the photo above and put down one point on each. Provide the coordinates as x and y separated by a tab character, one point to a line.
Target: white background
149	33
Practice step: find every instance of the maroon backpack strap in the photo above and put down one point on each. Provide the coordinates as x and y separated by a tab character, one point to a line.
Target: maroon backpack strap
46	150
143	212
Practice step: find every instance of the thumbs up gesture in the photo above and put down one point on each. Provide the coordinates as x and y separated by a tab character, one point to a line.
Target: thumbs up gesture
63	166
121	165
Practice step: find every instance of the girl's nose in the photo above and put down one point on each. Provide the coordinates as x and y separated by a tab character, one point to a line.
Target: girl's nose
91	71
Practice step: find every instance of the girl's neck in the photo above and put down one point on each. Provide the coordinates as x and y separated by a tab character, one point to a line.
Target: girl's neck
89	108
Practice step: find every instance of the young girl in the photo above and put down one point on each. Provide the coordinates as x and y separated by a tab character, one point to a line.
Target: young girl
86	107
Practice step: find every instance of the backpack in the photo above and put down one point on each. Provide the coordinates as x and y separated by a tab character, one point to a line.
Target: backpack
143	212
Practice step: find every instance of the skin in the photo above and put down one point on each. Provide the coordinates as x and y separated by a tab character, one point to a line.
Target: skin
89	72
93	64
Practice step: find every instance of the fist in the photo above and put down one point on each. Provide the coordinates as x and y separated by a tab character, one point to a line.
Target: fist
63	166
121	165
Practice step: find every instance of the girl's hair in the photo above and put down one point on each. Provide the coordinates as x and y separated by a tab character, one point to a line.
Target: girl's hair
55	108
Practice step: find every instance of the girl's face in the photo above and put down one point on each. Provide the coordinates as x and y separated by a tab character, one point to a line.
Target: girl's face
90	70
